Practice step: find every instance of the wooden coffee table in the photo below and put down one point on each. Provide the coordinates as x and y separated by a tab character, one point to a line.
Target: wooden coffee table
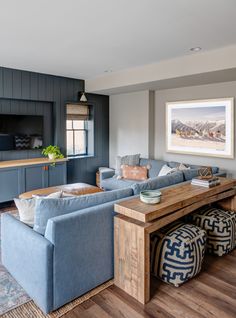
136	221
74	189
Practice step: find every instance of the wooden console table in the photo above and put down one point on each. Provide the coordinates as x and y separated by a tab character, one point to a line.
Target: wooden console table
136	221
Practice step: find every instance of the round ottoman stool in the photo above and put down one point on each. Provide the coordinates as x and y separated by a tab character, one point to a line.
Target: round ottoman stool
177	252
220	226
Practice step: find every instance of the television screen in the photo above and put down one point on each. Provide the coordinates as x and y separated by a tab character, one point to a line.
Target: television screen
20	132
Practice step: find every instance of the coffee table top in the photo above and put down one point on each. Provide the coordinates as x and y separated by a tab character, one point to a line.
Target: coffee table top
73	188
172	199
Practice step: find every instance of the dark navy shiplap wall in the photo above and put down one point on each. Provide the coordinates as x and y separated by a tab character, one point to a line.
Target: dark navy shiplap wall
56	90
84	169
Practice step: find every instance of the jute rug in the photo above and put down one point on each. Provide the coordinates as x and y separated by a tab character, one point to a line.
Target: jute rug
30	310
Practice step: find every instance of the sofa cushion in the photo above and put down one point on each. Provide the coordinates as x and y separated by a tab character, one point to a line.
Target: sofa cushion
214	169
46	209
155	166
190	174
158	182
114	183
174	164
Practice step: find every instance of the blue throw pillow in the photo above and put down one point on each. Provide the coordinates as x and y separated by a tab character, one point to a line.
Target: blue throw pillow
48	208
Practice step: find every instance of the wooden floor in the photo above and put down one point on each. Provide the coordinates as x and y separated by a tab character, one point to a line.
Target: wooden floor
210	294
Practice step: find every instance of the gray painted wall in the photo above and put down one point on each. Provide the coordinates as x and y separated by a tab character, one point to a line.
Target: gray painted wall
129	125
129	120
188	93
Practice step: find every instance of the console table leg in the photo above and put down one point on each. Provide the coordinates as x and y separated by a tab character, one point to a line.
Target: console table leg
132	259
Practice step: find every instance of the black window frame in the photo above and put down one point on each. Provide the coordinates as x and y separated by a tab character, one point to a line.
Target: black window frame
85	129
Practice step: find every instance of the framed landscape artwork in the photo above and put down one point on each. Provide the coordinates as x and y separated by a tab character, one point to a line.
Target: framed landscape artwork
201	127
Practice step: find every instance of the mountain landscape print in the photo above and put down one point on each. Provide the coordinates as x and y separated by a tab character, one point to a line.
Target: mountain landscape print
200	127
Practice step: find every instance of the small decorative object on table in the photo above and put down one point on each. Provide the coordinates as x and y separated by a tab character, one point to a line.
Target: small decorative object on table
150	197
53	153
205	173
207	183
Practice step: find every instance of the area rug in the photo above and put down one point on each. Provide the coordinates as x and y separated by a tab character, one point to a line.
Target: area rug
12	294
30	310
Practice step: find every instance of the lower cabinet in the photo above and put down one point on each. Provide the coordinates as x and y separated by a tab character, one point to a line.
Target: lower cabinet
57	175
35	178
11	184
16	180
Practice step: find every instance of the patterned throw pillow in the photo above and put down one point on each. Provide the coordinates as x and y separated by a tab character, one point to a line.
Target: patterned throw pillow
131	160
134	172
22	142
177	252
220	226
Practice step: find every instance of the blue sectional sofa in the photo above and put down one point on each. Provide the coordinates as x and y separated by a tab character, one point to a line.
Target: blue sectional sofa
109	180
70	249
73	256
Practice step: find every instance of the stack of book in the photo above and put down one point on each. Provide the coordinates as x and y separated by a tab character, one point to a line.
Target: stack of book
207	183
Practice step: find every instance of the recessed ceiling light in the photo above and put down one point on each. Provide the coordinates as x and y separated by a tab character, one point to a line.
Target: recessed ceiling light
195	49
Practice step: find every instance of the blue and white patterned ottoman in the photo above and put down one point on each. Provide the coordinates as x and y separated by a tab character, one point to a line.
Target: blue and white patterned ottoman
177	252
220	226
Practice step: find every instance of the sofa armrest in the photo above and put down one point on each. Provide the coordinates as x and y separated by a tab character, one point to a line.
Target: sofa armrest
108	173
28	256
221	173
83	251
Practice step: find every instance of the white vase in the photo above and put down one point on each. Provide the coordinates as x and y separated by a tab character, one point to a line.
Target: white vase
51	156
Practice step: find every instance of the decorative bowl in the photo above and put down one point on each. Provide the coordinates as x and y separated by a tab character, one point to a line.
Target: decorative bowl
150	196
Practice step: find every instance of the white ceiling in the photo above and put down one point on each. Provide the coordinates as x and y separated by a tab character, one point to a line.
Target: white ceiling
83	38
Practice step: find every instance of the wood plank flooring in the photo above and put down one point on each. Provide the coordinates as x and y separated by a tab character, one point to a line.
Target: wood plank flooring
211	294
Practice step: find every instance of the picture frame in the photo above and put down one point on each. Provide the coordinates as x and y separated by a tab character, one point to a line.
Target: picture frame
201	127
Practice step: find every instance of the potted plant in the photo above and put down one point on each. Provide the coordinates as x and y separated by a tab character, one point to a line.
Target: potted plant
52	152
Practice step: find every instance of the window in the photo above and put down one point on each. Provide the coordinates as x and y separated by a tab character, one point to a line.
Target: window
77	130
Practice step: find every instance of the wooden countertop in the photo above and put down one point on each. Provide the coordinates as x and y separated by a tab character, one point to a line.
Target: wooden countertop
28	162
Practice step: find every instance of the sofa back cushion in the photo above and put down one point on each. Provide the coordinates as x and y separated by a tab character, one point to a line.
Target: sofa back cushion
155	166
158	182
190	174
46	209
174	164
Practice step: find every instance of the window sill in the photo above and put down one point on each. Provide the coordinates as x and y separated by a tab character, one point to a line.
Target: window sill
80	157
